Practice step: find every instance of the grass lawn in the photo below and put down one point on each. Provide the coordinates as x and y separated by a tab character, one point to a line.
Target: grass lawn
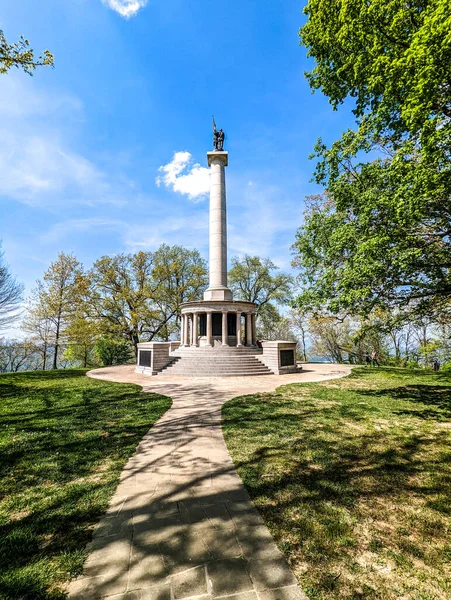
353	478
63	441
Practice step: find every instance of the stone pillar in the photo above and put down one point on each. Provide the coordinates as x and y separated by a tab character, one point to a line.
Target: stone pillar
209	330
238	330
195	337
217	288
248	329
182	330
225	339
186	332
254	329
191	337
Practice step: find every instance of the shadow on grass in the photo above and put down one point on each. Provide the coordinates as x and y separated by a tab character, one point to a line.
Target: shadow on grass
321	462
63	441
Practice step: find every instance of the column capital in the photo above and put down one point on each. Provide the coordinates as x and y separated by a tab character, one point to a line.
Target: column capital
218	156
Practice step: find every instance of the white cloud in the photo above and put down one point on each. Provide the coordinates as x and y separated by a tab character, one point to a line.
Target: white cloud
186	177
126	8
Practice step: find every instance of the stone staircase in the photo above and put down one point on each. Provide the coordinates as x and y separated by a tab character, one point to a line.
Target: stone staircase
221	361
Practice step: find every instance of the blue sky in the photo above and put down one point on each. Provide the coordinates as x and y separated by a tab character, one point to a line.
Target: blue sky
107	152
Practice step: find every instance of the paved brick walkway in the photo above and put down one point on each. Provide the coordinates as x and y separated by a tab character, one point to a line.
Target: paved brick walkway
180	524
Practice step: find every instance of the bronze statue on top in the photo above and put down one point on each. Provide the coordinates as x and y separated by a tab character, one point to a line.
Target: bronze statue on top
218	138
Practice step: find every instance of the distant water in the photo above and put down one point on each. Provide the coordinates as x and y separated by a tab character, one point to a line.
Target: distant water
319	359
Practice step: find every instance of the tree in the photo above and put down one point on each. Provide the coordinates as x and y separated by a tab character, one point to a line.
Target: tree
81	334
21	56
18	355
56	298
112	351
10	295
381	235
138	296
38	324
258	280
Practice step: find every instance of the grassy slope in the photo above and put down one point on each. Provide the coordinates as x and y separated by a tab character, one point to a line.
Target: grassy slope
353	478
63	441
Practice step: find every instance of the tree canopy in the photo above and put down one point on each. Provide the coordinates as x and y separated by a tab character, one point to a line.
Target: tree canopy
380	236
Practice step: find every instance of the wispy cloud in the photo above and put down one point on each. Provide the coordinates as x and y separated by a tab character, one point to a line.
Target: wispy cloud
38	166
126	8
186	177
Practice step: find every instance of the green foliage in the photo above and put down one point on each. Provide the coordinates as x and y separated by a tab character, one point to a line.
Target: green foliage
381	236
138	296
20	55
112	351
64	439
352	478
259	280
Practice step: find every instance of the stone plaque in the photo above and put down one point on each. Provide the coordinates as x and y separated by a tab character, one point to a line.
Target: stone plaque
286	358
145	358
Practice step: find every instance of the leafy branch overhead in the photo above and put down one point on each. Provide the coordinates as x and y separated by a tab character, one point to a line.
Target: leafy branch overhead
20	55
380	236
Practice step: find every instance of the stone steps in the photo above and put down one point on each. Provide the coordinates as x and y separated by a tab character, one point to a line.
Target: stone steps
215	364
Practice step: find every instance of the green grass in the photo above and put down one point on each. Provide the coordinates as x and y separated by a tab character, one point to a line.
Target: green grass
353	478
64	439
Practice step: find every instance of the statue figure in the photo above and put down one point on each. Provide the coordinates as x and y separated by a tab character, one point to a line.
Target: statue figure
218	137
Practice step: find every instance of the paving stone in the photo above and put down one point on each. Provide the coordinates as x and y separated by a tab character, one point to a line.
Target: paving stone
222	543
114	526
271	573
257	543
134	595
244	514
243	596
189	583
89	588
184	551
159	592
146	570
284	593
227	577
108	557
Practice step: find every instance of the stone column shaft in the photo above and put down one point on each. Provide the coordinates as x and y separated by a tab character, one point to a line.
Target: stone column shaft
195	330
217	289
186	333
248	329
209	330
238	329
225	341
182	330
254	329
191	337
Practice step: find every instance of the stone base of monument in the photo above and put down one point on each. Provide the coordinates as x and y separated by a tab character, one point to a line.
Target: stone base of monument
216	361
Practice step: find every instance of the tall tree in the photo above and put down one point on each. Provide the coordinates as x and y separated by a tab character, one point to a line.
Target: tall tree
259	280
381	236
56	297
21	55
10	295
138	296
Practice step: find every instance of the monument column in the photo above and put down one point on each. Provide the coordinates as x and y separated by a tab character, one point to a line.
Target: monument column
209	329
186	333
182	330
217	289
248	329
195	330
238	330
191	337
224	329
254	329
